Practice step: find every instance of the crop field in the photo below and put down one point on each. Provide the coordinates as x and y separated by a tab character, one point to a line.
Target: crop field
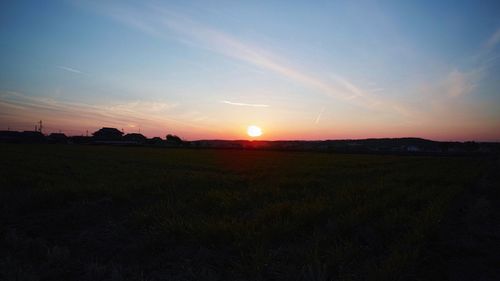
137	213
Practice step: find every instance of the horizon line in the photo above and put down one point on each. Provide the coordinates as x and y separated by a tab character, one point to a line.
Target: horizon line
90	135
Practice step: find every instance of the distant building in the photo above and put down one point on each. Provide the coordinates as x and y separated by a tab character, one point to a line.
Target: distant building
135	137
10	136
108	134
412	148
32	136
80	140
22	137
58	138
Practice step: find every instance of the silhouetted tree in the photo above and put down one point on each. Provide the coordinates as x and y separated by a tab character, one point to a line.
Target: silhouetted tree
155	141
135	137
173	139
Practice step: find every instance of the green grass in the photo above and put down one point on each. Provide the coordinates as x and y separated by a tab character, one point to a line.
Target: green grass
116	213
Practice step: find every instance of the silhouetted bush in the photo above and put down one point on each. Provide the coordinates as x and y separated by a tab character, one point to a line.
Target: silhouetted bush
173	139
135	137
155	141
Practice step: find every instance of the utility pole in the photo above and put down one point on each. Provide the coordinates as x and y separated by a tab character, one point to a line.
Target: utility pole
40	127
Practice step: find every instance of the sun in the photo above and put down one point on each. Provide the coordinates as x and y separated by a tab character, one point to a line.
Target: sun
254	131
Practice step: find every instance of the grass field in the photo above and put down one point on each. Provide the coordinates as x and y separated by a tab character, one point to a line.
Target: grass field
118	213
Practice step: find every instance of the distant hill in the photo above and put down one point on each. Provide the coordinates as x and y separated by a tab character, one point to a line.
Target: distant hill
383	145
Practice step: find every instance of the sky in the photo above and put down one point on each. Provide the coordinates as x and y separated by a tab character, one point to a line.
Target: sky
297	69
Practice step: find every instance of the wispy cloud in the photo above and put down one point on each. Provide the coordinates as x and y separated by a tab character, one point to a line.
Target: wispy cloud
69	69
161	22
444	103
244	104
493	40
459	83
155	115
375	90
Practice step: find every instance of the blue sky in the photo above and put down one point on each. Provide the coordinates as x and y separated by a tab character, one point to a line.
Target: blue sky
298	69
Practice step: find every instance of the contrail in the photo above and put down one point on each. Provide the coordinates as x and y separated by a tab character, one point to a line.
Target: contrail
69	69
319	116
244	104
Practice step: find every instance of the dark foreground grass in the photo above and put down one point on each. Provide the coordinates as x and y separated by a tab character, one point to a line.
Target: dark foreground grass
115	213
